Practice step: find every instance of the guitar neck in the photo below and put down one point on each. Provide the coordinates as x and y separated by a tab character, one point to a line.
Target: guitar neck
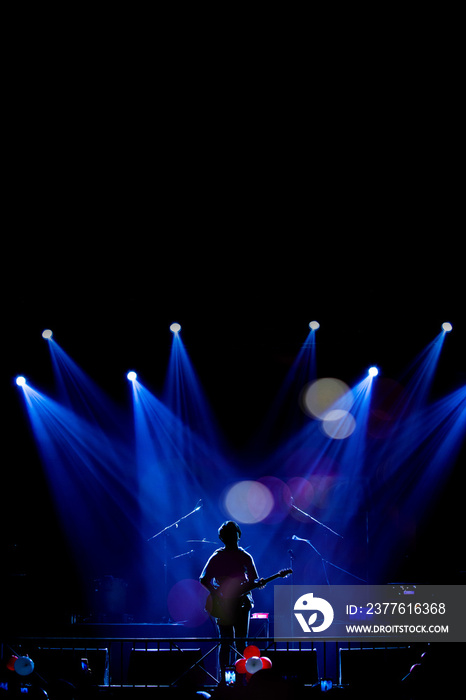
250	586
267	580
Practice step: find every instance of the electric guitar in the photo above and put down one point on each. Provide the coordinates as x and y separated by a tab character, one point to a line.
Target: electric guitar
220	607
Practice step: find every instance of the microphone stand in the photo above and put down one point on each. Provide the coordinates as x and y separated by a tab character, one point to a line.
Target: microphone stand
292	558
165	553
177	522
301	539
314	519
325	561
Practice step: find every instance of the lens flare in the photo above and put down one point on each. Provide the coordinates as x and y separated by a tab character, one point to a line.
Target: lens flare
186	601
281	495
447	327
322	395
175	328
131	376
47	334
248	501
339	424
20	381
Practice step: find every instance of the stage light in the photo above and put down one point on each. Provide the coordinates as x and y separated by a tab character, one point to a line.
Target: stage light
373	371
131	376
20	381
314	325
175	328
447	327
47	334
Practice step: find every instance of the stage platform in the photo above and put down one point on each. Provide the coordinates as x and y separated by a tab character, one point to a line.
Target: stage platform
164	660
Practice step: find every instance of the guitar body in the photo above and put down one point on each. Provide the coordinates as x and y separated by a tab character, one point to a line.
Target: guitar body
225	609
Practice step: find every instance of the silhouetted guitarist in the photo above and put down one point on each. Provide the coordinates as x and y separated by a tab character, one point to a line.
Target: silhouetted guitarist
227	575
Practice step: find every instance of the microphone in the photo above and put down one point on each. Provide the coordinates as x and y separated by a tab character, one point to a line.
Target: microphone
185	554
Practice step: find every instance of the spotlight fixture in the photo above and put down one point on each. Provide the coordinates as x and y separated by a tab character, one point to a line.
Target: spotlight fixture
373	371
175	328
314	325
447	327
131	376
47	334
20	381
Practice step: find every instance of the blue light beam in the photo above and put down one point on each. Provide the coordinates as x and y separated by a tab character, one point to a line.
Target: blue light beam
184	396
421	375
88	477
285	416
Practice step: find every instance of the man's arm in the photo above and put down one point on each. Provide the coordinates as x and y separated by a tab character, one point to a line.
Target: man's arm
207	583
205	579
253	576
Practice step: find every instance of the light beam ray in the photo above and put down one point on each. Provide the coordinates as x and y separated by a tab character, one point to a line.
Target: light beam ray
88	476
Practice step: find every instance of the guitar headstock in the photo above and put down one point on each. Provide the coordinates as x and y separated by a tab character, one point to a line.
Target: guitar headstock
285	572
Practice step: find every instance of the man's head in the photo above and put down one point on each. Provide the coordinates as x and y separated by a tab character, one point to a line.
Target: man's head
229	533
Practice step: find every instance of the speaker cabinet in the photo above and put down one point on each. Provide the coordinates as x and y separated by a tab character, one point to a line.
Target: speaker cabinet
73	665
164	667
296	665
374	666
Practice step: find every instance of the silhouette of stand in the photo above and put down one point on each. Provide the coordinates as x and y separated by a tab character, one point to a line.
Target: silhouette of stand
165	532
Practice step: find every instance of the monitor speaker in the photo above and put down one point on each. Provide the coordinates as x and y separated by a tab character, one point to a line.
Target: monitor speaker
73	665
374	666
165	667
296	665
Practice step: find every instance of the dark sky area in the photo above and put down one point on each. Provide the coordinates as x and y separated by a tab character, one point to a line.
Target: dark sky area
243	211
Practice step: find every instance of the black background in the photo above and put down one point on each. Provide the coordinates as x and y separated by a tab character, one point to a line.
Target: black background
147	182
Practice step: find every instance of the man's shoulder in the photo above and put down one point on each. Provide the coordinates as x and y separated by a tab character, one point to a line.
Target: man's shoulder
237	551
